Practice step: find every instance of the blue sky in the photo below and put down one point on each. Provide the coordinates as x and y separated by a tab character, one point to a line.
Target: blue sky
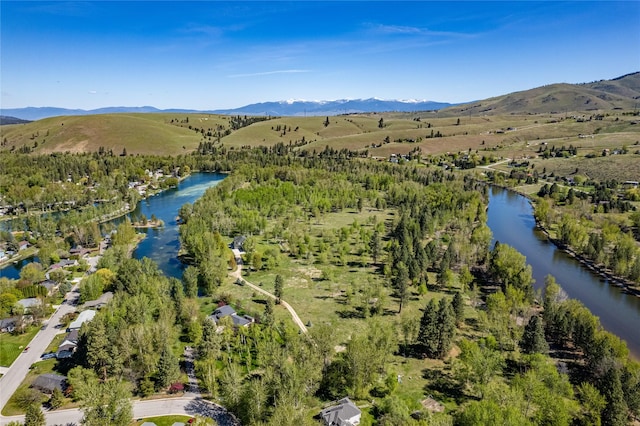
211	55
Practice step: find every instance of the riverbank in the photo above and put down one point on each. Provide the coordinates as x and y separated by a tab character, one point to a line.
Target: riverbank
630	287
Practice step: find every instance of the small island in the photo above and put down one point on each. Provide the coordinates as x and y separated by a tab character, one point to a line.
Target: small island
152	222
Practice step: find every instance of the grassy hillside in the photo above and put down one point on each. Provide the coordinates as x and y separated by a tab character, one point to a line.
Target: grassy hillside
138	133
604	95
380	135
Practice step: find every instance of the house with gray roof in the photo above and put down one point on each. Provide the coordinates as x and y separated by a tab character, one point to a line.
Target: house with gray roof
29	303
345	413
84	316
68	346
228	311
48	382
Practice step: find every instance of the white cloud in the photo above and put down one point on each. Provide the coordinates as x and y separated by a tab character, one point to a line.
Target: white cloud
92	92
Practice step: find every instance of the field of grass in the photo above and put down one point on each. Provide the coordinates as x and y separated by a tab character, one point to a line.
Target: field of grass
513	136
11	346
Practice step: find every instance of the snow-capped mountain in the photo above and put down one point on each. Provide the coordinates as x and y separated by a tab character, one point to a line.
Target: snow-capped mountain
291	107
341	106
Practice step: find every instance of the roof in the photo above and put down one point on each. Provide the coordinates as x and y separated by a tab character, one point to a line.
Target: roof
100	301
8	322
227	311
238	241
28	303
340	414
49	382
82	318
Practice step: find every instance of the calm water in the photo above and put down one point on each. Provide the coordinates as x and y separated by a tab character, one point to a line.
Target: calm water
161	244
511	220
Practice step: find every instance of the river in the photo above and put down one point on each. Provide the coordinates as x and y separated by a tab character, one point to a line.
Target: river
161	244
510	217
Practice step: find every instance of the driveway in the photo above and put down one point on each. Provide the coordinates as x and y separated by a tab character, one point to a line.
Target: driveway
238	274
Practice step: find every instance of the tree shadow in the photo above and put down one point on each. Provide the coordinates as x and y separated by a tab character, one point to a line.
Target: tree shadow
205	408
443	387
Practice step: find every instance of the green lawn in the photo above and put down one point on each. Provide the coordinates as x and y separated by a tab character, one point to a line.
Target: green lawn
41	367
12	345
162	420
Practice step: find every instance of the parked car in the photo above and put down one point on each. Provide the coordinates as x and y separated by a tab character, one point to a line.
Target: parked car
48	355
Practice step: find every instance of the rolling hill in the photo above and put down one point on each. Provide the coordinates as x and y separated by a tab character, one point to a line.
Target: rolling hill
560	112
604	95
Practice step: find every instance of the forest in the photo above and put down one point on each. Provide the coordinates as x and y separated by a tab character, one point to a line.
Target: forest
391	266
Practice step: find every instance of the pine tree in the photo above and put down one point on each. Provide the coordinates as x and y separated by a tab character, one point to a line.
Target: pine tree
267	316
34	416
278	288
375	245
533	340
168	368
458	307
446	320
615	413
401	284
57	399
428	335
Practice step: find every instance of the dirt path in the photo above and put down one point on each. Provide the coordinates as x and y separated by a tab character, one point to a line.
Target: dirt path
238	274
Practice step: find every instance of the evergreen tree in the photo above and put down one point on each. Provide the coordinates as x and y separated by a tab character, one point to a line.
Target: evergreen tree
428	334
458	307
279	284
268	315
615	413
375	245
168	368
209	346
447	327
533	340
57	399
401	284
34	416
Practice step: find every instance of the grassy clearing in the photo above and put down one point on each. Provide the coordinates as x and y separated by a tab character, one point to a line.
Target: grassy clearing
322	292
11	346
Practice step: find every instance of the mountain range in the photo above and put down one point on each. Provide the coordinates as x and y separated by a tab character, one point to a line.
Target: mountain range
281	108
619	93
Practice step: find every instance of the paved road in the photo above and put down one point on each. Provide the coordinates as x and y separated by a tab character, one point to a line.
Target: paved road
238	274
16	373
189	406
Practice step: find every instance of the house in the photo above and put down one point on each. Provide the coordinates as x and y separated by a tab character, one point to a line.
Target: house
99	302
345	413
48	382
64	263
8	325
49	285
23	245
29	303
85	316
227	311
68	346
238	242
